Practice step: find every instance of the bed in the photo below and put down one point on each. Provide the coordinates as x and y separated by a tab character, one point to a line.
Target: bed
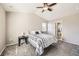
41	41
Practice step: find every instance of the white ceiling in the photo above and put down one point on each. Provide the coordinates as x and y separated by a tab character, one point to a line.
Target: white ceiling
20	7
59	10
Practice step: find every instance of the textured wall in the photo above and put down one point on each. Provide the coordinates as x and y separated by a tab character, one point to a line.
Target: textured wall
70	28
17	23
2	29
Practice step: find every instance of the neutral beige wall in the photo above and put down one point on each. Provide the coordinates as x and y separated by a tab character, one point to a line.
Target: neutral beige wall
70	28
2	29
17	23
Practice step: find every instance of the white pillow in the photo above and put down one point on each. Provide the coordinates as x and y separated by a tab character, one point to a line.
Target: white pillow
32	32
39	31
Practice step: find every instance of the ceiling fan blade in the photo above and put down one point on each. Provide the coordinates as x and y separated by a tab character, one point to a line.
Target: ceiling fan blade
49	9
52	4
39	7
42	11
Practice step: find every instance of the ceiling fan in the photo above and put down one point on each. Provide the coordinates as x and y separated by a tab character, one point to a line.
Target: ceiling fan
47	6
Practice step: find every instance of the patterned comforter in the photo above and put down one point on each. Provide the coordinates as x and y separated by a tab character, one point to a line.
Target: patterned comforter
41	41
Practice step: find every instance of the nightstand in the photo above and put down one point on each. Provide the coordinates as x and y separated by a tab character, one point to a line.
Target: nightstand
22	38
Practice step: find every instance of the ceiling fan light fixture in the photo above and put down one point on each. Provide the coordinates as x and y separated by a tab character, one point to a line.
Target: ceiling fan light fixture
45	8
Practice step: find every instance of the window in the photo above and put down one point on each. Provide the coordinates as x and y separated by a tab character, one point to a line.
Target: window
44	27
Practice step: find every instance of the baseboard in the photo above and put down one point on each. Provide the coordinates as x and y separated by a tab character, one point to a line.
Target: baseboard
2	50
71	43
11	44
